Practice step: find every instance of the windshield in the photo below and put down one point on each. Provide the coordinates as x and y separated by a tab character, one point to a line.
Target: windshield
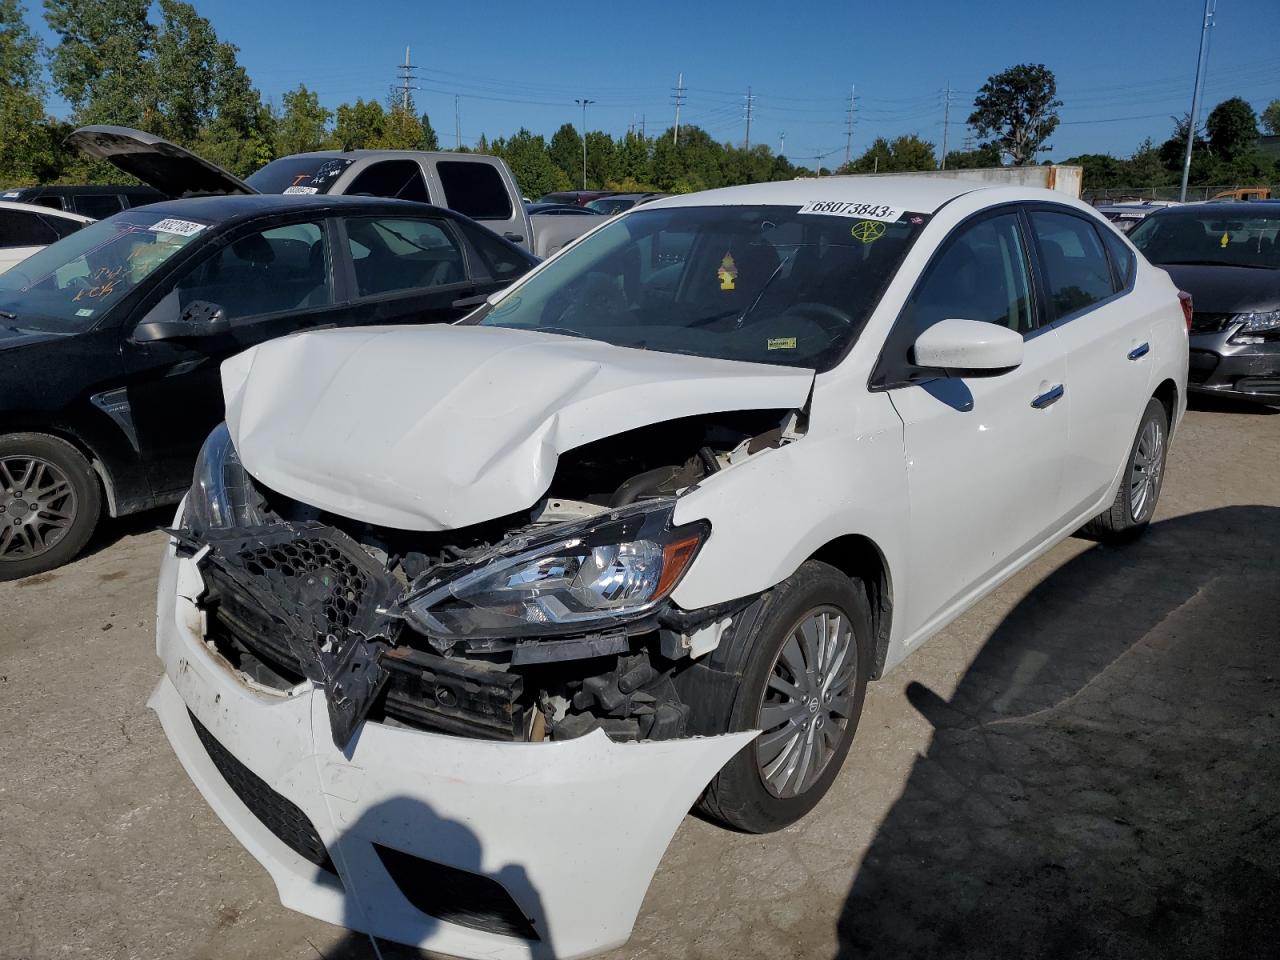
299	174
611	205
762	284
1204	235
69	285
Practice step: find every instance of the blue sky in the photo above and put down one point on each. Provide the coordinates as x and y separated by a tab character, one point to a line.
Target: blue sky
1123	66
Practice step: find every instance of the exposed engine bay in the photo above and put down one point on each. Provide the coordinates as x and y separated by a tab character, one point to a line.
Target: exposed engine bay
419	629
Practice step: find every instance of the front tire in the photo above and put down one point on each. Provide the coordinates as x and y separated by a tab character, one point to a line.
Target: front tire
50	502
803	683
1143	479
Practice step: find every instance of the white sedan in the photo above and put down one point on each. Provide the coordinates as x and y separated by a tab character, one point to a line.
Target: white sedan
26	228
458	622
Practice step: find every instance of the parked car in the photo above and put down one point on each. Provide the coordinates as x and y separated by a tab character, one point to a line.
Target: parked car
95	202
477	186
1244	194
457	622
559	210
622	201
110	339
25	229
576	197
1126	216
1227	256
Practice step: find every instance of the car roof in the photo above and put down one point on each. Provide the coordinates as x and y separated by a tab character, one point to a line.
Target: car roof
225	209
923	194
46	211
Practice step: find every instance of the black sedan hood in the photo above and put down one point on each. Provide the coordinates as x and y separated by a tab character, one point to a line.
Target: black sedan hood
12	338
1224	289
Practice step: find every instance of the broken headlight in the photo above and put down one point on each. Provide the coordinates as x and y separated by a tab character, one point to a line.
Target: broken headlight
221	495
582	576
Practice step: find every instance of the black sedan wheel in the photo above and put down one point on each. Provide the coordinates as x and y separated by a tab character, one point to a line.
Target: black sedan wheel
49	503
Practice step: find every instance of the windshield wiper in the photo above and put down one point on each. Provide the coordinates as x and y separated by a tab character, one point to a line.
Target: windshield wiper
756	302
7	315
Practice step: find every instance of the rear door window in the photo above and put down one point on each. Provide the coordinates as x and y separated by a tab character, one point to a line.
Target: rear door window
270	271
99	205
475	190
1122	260
400	179
392	254
504	261
1077	273
18	228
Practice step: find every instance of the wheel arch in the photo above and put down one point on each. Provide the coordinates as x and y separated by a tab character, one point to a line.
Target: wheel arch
120	497
1167	394
860	558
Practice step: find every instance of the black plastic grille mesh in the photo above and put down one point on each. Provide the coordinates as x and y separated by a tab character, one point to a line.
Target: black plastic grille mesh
336	581
282	817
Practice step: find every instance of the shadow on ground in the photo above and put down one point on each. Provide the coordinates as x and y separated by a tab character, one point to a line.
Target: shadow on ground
1105	780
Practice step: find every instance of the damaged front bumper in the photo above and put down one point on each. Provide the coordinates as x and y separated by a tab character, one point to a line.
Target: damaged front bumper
464	846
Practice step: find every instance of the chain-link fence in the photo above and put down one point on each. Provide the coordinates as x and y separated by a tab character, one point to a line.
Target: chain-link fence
1115	194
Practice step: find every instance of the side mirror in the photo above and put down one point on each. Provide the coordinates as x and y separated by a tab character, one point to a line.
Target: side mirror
200	319
968	347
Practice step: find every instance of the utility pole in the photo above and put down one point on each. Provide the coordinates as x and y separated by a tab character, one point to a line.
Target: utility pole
406	78
848	127
584	101
457	122
946	124
1210	9
746	142
642	126
782	144
679	99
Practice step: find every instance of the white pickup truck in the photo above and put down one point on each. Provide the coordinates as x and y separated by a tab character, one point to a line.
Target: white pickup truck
478	186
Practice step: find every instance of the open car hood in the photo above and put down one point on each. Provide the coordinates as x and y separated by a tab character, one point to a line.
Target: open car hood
434	428
171	169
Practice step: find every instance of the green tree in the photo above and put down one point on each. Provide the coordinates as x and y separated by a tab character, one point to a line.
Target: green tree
429	139
1019	108
904	154
1144	169
1271	118
566	151
602	159
26	150
1233	129
100	64
403	130
1100	171
526	154
633	158
359	125
302	124
985	155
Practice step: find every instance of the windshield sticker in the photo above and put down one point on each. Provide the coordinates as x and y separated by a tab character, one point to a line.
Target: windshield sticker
305	190
728	272
863	211
782	343
84	312
10	193
868	231
183	228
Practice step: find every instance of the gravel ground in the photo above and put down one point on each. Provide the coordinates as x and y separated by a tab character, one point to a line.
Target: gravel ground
1083	765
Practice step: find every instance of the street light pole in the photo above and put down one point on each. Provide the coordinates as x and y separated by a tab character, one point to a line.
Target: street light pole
583	101
1210	8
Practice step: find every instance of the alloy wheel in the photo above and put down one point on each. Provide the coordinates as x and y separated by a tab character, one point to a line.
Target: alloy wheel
37	507
1148	465
807	702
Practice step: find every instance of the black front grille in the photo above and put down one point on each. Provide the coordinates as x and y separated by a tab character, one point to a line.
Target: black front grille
283	818
1210	322
456	896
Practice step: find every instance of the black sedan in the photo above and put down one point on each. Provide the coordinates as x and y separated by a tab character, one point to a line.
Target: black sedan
1227	256
111	339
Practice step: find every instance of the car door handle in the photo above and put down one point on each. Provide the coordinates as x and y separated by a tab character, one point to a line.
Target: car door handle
1049	397
515	237
1140	351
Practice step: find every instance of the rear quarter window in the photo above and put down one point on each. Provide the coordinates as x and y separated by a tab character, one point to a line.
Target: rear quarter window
476	190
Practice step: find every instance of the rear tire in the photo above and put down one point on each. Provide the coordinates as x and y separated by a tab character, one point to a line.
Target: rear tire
1143	479
806	663
50	501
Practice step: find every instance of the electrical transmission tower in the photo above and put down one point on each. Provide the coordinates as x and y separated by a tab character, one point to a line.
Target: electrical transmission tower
406	80
750	100
946	123
848	126
678	99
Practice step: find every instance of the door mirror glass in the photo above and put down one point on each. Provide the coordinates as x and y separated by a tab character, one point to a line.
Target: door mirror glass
200	318
968	347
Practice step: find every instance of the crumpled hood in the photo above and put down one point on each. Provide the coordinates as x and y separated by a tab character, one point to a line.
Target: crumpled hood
434	428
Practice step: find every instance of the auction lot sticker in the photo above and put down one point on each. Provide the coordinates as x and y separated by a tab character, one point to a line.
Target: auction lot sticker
862	211
183	228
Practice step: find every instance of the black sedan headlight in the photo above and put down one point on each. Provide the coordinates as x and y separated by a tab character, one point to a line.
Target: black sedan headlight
222	494
582	576
1257	326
